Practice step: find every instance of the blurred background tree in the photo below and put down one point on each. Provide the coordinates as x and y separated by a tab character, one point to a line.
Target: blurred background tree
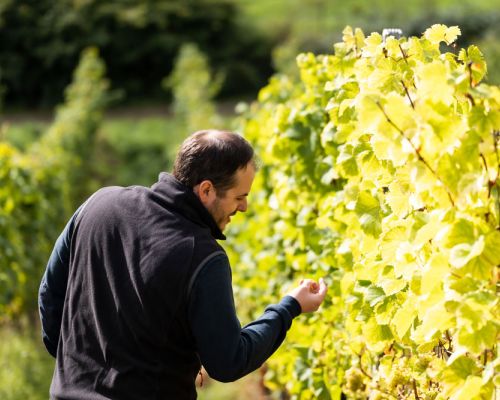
193	92
139	39
314	25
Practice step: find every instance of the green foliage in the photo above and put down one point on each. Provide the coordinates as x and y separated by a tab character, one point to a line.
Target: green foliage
138	39
381	172
477	26
312	25
42	186
194	87
325	18
133	151
70	139
130	148
22	135
25	366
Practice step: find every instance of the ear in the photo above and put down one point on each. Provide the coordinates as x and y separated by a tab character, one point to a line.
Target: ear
206	192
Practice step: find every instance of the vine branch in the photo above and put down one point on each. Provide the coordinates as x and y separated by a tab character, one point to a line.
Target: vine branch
496	138
408	94
363	370
404	54
417	151
415	390
405	57
491	183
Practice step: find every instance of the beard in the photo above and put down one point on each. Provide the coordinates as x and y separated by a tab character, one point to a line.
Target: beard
220	216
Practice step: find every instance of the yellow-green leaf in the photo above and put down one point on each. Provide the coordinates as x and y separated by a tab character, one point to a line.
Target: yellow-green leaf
441	33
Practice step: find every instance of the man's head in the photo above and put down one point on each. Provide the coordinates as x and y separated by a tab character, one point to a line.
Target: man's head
220	167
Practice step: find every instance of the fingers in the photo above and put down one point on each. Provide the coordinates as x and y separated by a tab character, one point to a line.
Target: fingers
322	287
313	287
310	294
309	282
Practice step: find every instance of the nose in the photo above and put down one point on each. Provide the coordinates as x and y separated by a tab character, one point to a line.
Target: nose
242	206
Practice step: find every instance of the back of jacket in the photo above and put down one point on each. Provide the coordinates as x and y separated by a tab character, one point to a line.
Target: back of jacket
124	332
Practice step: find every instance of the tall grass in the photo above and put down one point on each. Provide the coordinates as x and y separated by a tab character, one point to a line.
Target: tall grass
25	366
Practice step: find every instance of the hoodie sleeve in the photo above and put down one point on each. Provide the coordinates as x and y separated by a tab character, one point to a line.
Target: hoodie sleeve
228	351
52	289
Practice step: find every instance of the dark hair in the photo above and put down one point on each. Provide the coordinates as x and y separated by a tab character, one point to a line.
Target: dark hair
212	155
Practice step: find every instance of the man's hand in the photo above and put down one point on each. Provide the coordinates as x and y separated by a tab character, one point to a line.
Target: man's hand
309	294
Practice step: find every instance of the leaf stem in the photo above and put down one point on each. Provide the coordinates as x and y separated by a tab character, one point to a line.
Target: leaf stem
456	275
361	365
485	164
450	347
471	99
469	67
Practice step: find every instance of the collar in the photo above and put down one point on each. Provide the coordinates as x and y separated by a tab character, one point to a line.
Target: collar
182	198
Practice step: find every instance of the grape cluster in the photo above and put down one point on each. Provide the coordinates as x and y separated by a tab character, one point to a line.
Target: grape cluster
355	385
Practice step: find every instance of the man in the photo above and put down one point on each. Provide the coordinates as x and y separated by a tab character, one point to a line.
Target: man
137	292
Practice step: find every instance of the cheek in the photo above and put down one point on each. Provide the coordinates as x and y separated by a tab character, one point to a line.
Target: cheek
232	208
226	208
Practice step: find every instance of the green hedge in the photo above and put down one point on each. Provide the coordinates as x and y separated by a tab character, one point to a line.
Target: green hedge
40	187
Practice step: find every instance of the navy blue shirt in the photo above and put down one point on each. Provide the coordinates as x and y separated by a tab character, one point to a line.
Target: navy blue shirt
226	350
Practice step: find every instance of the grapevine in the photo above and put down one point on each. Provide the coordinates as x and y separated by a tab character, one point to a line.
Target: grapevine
380	172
